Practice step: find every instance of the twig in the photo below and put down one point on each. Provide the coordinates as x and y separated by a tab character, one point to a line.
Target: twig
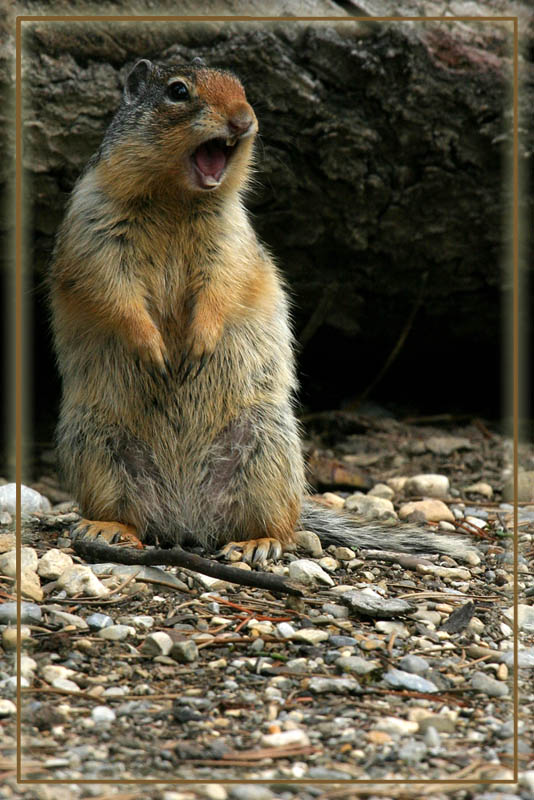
177	557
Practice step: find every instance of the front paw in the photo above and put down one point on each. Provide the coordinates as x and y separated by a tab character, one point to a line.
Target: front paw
197	353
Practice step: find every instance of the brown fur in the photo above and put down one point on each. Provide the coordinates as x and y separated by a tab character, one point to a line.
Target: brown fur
149	278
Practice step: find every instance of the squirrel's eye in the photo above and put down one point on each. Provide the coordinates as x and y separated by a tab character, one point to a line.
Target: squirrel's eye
177	91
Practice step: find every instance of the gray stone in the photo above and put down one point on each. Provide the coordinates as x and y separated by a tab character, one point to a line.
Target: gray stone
8	561
334	685
184	652
371	605
357	665
488	685
309	573
31	613
158	643
412	752
116	633
102	715
99	621
414	664
405	680
309	542
30	499
80	579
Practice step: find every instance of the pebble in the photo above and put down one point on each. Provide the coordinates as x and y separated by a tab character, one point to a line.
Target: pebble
8	561
378	737
329	563
309	542
184	652
53	672
250	791
335	610
7	708
525	617
30	585
337	640
445	445
398	483
334	685
157	644
525	488
212	791
372	605
397	726
53	564
333	500
309	573
284	630
382	490
406	680
7	540
386	627
262	627
414	664
412	752
65	684
102	714
485	683
155	574
432	510
81	580
292	738
428	485
30	613
64	618
437	722
5	518
344	553
458	573
116	633
27	667
370	507
99	621
357	665
30	499
309	636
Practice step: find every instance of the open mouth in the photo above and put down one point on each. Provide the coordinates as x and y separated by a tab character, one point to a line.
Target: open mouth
210	160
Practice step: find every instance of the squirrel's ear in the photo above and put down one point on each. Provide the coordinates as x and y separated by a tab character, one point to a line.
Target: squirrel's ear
136	80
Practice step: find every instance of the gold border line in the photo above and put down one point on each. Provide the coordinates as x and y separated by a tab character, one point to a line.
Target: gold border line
515	337
473	782
18	370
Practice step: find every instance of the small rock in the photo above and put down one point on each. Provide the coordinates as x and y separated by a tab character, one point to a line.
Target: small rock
481	488
378	737
412	752
30	500
334	685
99	621
488	685
30	585
251	791
8	561
53	564
7	708
184	652
309	636
397	484
329	563
5	518
445	445
387	627
309	542
335	610
405	680
371	605
382	490
333	500
432	510
438	722
357	665
292	738
309	573
81	580
284	630
397	726
66	685
7	540
116	633
428	485
102	715
139	621
337	640
64	618
344	553
54	672
30	613
27	667
457	573
525	488
157	644
414	664
525	617
370	507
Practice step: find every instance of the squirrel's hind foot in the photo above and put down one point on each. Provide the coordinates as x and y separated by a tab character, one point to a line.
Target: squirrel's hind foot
110	532
255	551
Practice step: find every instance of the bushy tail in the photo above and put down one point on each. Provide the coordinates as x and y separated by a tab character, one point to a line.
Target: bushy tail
339	528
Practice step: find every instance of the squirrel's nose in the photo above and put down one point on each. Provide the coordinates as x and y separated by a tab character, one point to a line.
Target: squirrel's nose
240	122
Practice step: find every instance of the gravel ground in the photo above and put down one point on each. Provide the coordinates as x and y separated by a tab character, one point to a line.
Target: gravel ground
391	667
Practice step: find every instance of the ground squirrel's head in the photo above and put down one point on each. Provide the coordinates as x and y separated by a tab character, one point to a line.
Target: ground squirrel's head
188	125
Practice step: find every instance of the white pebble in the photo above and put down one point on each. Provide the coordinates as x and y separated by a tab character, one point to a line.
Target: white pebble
81	580
428	485
101	714
53	564
308	572
286	738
